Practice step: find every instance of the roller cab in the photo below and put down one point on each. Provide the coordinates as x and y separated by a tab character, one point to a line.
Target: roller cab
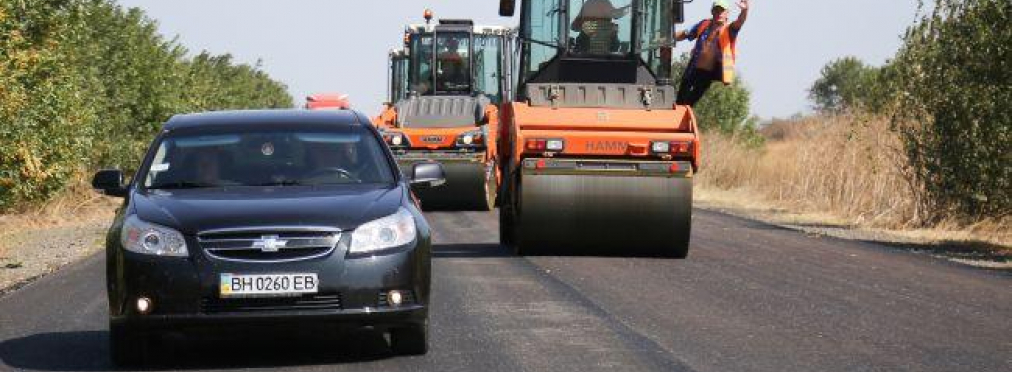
445	88
596	155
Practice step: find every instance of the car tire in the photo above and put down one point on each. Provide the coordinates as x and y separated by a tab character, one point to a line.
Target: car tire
411	340
127	347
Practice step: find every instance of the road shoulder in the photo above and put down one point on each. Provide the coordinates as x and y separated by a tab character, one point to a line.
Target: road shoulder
36	244
962	246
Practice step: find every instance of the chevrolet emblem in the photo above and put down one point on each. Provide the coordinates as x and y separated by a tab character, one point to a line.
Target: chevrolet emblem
269	243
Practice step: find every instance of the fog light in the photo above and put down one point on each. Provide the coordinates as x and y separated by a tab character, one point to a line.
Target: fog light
468	139
396	140
395	298
144	305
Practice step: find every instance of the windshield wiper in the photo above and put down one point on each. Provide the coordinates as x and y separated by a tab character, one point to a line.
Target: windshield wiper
180	185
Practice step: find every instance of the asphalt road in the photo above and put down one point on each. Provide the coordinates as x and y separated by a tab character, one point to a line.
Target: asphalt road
751	297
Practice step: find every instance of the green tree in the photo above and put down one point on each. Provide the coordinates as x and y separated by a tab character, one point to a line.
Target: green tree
955	110
842	85
44	122
724	108
87	83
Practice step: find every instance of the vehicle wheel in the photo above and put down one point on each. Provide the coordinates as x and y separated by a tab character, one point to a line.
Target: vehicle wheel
411	340
127	347
505	215
505	226
683	226
680	251
518	223
490	191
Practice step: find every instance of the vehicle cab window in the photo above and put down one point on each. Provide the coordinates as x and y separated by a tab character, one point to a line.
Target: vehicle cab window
453	58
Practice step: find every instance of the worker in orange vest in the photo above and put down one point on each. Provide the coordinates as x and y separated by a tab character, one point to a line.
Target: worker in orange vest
714	54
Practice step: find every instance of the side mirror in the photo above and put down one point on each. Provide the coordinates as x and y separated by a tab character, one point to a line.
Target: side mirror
677	11
507	7
110	182
428	174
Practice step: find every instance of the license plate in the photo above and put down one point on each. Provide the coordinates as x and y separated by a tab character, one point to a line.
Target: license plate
268	285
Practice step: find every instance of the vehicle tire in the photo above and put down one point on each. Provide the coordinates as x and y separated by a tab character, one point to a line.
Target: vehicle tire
680	251
519	246
490	192
410	340
505	226
127	347
680	248
505	214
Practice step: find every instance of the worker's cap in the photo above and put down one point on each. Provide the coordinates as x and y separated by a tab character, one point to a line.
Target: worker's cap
722	4
598	9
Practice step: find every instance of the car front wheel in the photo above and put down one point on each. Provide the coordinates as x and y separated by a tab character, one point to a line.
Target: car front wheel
410	340
127	347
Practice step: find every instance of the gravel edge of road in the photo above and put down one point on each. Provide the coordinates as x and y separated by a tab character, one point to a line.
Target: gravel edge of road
969	253
55	247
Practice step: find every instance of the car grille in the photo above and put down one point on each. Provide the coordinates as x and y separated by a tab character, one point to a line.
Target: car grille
269	244
212	305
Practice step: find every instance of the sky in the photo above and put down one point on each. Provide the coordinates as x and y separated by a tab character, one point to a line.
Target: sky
341	45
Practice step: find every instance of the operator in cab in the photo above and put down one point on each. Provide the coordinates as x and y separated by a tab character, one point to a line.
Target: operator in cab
454	69
713	56
598	33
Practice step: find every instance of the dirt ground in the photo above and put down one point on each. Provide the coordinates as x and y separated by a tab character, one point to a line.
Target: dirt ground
39	242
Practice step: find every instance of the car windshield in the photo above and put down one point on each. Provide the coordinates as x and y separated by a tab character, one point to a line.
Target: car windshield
276	158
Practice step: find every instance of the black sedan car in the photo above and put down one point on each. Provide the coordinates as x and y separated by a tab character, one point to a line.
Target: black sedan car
267	217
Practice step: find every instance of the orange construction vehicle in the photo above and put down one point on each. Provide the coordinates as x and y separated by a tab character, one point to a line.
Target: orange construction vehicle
397	88
325	101
595	152
445	88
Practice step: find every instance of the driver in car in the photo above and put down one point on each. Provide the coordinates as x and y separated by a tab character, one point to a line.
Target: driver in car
205	167
332	163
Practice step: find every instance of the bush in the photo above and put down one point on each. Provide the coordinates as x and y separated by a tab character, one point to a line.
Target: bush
86	83
846	165
44	119
955	109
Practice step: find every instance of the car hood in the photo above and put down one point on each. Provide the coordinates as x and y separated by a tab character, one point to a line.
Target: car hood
194	210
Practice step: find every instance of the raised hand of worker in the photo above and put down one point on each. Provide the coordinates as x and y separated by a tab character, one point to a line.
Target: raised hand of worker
743	4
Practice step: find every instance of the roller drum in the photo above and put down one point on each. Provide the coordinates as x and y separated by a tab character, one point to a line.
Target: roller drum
613	214
468	186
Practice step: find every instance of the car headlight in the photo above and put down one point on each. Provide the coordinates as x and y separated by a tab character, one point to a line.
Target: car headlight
148	238
388	232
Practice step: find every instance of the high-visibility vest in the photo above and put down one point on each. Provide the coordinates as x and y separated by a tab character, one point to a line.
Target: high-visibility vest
727	49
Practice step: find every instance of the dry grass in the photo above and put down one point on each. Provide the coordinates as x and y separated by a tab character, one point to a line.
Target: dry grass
78	205
844	170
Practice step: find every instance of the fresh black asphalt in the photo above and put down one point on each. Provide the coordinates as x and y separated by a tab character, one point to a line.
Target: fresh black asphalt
751	297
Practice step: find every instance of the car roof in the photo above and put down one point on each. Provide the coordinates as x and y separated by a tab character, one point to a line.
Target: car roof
265	117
